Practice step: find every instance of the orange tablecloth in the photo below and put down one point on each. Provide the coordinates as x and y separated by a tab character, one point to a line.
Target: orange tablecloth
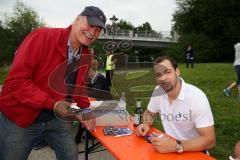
134	147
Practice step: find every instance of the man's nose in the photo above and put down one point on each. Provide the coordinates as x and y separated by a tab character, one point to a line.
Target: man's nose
163	77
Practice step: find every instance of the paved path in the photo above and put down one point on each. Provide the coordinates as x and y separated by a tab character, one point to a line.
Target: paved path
48	154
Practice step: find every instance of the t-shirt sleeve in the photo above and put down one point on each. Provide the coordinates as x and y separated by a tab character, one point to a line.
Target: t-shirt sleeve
20	80
153	105
202	115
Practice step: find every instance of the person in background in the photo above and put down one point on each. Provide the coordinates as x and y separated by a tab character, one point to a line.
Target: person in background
184	111
110	67
97	80
37	93
189	56
236	65
227	91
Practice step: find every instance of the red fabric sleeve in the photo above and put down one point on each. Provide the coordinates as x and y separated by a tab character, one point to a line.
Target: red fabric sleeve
19	82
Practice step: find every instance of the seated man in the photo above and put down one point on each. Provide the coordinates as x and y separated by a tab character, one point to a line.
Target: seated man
98	86
184	111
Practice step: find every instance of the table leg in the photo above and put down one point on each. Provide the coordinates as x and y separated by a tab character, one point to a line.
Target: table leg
86	144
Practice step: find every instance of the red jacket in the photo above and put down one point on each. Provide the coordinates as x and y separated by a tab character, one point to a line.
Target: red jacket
36	78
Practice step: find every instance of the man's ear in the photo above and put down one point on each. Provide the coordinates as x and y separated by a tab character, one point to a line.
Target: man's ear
178	72
78	19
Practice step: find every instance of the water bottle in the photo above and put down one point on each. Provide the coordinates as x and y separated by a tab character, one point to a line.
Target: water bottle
138	114
122	101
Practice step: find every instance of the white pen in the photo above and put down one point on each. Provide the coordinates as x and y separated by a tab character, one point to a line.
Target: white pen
160	136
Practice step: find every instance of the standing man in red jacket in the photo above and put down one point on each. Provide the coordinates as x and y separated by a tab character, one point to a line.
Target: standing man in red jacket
48	73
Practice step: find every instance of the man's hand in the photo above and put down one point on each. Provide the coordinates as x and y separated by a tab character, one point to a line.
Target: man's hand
142	129
88	120
0	89
113	62
90	124
61	108
164	144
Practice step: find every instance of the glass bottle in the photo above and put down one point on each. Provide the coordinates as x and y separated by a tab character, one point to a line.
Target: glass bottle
138	114
122	101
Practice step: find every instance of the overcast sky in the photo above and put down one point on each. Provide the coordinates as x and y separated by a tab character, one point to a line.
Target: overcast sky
61	13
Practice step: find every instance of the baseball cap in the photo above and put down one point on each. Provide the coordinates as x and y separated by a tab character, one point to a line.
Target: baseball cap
95	16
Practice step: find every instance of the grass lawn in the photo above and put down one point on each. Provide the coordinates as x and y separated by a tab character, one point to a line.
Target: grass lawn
3	73
211	78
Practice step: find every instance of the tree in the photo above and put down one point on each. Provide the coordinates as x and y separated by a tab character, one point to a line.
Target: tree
145	27
121	25
210	26
15	27
124	25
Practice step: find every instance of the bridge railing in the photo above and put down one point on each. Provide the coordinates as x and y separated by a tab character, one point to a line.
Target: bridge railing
125	61
139	34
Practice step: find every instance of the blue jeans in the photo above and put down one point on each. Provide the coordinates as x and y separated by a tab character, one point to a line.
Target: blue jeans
237	69
16	143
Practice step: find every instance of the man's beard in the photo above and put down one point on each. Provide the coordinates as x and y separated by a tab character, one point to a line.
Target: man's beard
166	86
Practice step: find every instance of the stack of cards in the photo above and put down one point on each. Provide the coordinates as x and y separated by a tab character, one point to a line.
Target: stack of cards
116	131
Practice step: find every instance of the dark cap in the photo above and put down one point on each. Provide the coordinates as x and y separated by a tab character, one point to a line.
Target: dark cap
95	16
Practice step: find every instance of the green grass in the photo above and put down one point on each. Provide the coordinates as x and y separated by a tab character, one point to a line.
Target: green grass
3	73
210	77
135	74
142	88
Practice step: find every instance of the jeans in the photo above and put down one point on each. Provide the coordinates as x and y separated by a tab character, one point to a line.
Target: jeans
109	75
237	69
189	61
16	143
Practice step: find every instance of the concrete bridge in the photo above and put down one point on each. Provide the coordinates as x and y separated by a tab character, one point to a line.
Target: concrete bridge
140	39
